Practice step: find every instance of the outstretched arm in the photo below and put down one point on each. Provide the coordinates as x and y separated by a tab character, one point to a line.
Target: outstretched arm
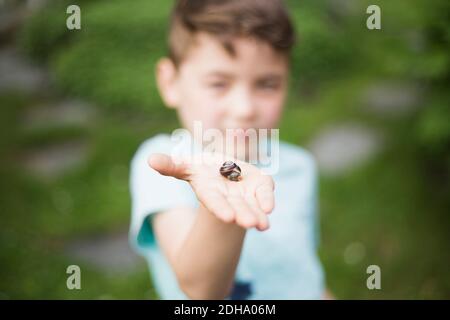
203	247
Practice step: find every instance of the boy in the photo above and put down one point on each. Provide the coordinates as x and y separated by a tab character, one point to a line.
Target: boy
204	236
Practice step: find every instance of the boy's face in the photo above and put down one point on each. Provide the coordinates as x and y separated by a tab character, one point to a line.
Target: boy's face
243	91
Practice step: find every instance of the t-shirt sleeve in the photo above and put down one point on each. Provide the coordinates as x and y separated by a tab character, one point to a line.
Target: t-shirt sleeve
152	192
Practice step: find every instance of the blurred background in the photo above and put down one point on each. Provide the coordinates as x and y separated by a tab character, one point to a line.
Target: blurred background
372	106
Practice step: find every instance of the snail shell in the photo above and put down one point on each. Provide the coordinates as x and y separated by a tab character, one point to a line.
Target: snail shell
230	170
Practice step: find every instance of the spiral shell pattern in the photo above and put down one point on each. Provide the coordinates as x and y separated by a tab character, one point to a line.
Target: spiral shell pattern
230	170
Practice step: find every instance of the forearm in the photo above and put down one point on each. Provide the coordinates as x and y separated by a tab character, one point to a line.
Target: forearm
206	262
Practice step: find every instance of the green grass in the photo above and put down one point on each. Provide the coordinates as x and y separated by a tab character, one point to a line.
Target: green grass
36	225
387	207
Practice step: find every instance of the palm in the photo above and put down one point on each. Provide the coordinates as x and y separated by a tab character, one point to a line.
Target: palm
245	202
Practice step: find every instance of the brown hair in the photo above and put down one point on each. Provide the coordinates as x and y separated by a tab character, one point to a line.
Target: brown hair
265	20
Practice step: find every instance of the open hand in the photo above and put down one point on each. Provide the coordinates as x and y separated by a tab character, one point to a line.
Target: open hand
245	202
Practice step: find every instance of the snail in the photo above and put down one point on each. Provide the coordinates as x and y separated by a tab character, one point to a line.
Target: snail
230	170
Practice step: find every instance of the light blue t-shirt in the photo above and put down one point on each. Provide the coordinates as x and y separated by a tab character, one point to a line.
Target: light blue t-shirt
279	263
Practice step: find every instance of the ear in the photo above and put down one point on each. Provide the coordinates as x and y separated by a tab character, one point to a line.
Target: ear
166	78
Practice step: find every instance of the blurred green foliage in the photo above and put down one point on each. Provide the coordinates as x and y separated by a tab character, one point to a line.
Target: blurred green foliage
129	36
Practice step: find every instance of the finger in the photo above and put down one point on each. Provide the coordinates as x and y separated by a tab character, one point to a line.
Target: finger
219	206
244	215
265	196
166	166
263	221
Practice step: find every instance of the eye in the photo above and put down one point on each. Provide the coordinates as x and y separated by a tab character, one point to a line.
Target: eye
218	84
268	84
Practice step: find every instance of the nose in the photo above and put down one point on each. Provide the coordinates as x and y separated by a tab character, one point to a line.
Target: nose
242	105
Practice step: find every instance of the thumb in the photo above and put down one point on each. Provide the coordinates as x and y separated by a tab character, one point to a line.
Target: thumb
165	165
